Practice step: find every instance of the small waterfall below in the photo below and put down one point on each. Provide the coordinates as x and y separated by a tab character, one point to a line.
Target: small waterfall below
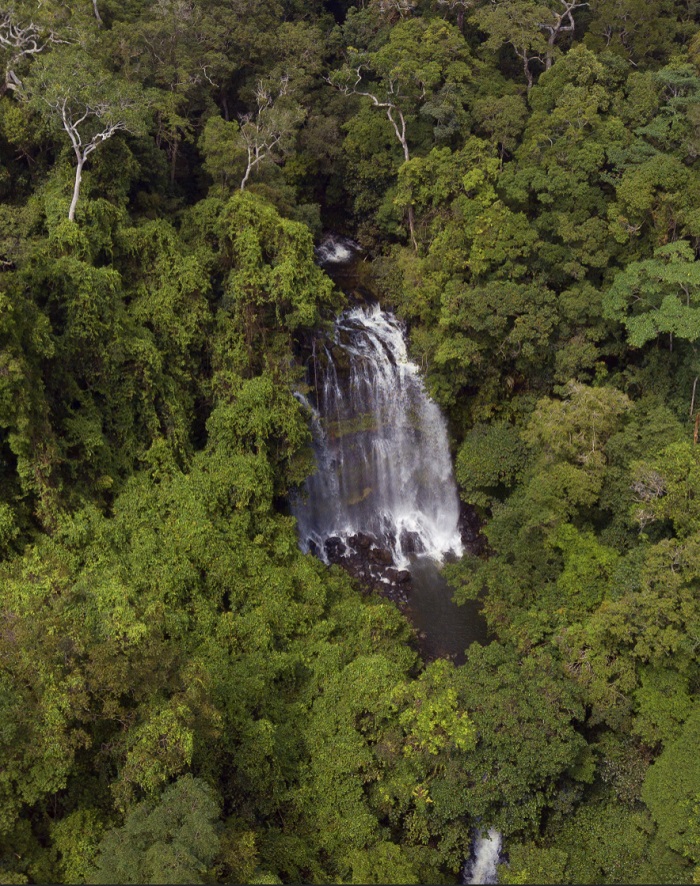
482	867
384	479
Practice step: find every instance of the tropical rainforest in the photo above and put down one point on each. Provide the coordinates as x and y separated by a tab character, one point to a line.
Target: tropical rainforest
184	695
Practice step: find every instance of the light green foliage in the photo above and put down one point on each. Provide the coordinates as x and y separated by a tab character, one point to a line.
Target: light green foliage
657	296
434	720
561	164
606	844
631	29
544	568
518	24
589	567
425	61
273	280
602	843
653	620
26	341
76	95
664	704
530	863
428	183
665	489
384	863
422	72
576	429
502	117
372	727
223	154
76	838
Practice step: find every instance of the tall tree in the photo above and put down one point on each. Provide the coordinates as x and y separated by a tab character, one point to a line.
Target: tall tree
88	103
267	133
420	67
658	295
20	41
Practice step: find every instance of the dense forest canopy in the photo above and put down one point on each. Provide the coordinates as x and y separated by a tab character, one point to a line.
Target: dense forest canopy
184	695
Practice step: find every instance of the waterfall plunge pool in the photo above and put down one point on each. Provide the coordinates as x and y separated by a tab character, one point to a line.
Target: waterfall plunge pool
445	630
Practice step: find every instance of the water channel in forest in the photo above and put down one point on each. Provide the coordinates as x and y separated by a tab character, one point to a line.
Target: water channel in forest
383	502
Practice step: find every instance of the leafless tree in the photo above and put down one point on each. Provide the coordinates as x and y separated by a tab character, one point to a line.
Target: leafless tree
562	22
103	112
395	9
97	13
20	42
388	104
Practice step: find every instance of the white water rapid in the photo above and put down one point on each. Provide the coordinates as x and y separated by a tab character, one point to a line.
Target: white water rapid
384	466
483	867
336	250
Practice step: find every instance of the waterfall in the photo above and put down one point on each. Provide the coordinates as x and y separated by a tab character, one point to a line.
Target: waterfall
384	471
483	866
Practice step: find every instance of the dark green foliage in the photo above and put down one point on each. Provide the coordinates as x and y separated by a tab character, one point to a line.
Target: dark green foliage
184	696
173	842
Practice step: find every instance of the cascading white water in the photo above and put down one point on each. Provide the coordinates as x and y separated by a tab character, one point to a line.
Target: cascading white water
336	250
384	466
483	867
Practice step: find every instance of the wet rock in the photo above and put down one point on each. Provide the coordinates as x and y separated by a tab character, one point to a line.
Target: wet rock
411	542
403	576
364	541
381	556
470	529
335	547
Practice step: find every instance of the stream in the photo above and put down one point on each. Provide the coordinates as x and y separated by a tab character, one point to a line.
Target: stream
383	501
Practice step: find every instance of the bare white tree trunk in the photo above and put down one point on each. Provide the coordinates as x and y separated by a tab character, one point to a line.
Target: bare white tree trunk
21	42
82	151
550	49
398	121
400	133
266	131
97	13
76	188
564	21
527	70
249	168
401	136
